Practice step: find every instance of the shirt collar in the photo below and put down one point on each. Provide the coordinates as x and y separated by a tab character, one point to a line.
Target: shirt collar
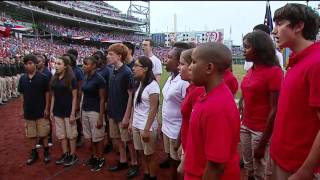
296	58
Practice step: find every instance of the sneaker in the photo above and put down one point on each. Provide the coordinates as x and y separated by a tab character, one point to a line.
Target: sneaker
71	160
98	165
90	162
120	166
33	157
133	171
46	155
50	142
62	159
165	164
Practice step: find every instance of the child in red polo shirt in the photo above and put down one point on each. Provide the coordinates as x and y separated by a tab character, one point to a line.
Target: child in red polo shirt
260	90
214	129
295	143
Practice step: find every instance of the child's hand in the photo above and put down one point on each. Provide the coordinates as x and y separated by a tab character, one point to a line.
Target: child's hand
72	119
145	136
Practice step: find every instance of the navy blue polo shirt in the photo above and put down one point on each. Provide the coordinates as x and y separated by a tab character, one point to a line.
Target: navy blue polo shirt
78	73
47	72
105	72
120	82
34	91
63	98
90	88
131	64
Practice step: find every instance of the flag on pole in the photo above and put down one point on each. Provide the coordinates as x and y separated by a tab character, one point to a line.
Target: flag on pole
268	17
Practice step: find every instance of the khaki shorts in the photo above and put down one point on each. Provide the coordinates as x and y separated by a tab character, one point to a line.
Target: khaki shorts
64	129
147	147
89	126
169	147
37	128
117	132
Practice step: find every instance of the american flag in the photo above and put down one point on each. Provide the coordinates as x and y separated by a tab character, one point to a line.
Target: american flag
268	17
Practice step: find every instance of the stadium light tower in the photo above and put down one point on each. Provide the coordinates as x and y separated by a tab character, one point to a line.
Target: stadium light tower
137	9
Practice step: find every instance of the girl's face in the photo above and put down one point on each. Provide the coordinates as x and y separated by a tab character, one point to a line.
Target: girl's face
139	71
248	52
59	66
184	70
88	66
171	63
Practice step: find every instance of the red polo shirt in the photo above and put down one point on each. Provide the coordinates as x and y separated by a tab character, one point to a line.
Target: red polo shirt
297	124
231	81
192	94
214	134
256	88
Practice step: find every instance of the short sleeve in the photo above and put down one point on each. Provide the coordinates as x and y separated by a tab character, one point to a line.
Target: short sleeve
184	86
153	88
129	80
74	83
157	66
20	87
101	82
217	136
78	74
314	85
275	80
46	83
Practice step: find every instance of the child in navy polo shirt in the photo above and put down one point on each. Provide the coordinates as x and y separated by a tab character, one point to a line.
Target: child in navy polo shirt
63	109
119	106
34	87
214	131
93	108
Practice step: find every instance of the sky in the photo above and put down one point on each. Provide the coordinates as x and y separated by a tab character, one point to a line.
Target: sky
239	16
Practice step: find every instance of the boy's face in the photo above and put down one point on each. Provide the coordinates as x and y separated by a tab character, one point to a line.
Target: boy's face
30	66
113	57
146	47
198	69
283	34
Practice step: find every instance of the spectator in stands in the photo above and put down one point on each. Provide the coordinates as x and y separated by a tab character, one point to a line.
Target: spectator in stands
147	46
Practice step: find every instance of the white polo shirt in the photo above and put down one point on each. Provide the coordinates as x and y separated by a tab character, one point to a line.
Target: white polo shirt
157	66
173	93
141	111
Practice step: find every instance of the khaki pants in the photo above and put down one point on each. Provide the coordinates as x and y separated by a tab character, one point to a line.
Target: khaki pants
148	148
37	128
89	125
249	141
64	129
169	147
117	132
